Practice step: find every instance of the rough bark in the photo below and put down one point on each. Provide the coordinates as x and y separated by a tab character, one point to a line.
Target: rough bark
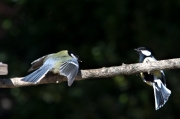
124	69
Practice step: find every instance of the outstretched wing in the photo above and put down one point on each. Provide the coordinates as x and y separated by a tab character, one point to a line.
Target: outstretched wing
70	70
37	63
37	75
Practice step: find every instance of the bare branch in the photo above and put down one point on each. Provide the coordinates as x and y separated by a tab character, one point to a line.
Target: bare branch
124	69
3	69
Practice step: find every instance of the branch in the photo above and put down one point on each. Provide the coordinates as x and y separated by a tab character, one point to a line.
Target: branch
3	69
124	69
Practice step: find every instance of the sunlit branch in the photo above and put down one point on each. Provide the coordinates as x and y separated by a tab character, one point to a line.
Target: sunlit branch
124	69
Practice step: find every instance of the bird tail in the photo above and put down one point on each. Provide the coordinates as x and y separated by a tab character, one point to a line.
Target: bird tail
161	94
37	75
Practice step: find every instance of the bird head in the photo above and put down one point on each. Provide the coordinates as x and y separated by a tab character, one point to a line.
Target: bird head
74	56
143	51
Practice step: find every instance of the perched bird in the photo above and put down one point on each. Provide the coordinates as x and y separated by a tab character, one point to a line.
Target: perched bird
64	63
154	78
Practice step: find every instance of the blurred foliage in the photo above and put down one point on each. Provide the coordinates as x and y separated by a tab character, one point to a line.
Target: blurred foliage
103	33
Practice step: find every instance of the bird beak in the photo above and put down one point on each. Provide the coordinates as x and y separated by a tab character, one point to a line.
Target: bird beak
136	50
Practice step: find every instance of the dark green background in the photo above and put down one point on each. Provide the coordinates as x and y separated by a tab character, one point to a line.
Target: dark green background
103	33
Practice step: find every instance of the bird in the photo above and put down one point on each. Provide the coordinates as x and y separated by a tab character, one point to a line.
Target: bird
156	79
63	63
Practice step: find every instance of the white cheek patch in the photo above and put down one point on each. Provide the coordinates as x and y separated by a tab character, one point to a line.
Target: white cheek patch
146	52
74	56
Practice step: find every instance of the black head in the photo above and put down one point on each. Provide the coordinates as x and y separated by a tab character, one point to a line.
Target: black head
73	55
143	53
141	48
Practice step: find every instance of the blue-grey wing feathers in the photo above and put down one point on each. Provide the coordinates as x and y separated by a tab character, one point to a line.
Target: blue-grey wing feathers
161	94
37	63
37	75
70	70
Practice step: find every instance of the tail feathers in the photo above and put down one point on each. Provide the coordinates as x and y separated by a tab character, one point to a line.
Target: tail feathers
161	94
37	75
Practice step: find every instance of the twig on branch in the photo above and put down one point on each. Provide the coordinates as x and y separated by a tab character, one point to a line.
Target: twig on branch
124	69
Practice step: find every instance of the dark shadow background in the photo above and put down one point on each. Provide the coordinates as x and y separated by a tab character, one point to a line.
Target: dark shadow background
103	33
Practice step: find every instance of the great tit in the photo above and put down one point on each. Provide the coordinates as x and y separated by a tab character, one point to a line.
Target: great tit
63	63
154	78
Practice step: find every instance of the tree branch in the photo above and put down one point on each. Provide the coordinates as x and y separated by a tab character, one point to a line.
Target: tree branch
3	69
124	69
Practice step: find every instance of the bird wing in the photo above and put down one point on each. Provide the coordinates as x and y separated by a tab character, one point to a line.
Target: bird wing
37	75
159	74
37	63
161	94
163	78
70	70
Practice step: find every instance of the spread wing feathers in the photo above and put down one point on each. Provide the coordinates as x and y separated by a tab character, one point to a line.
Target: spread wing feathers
37	75
70	70
161	94
37	63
